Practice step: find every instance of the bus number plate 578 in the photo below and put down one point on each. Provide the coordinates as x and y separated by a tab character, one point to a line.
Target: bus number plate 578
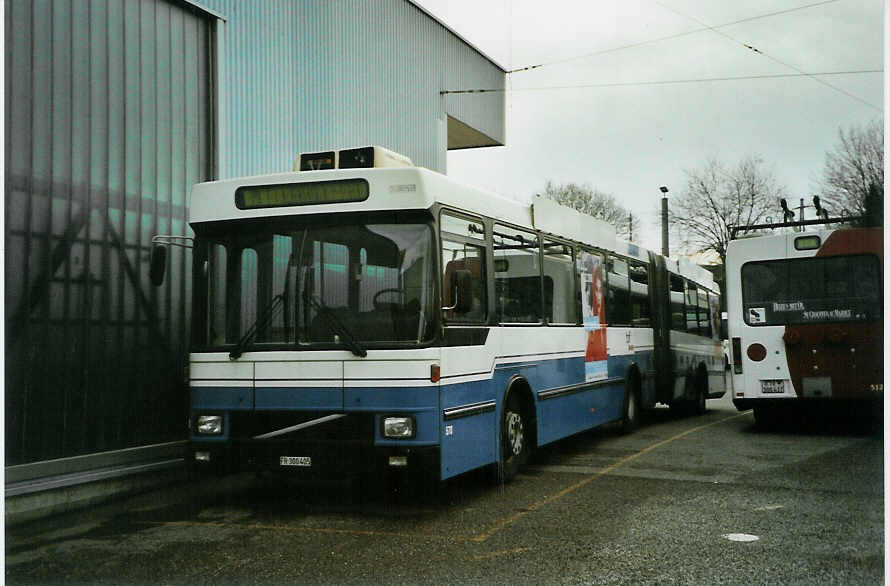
304	461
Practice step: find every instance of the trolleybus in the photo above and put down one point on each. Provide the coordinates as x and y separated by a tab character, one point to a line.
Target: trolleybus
805	319
365	313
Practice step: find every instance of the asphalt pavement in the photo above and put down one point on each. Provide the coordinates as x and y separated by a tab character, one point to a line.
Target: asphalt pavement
683	500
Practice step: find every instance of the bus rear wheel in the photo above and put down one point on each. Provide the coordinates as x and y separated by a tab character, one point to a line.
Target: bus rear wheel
701	398
631	419
514	439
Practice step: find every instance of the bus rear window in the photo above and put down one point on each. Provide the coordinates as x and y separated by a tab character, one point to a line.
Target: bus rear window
812	290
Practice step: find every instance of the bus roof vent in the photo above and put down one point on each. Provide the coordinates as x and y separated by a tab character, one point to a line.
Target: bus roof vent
362	157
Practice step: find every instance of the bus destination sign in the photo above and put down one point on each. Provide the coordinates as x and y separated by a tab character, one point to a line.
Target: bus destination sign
251	197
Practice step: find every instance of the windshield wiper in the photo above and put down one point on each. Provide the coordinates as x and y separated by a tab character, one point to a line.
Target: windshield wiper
261	322
338	327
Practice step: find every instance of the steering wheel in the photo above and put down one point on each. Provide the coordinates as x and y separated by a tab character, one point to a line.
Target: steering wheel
383	291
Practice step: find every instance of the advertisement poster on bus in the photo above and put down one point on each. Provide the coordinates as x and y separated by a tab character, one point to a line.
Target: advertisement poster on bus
593	304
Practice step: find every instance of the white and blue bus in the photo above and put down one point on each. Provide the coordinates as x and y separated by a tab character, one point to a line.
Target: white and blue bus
365	313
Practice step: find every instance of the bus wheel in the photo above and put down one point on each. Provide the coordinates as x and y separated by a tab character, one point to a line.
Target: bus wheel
701	398
514	439
631	419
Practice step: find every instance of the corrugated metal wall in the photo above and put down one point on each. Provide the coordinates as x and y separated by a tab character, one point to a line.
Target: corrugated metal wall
107	126
308	75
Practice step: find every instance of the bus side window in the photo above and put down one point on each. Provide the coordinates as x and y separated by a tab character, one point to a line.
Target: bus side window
560	300
678	316
463	250
704	313
639	294
517	276
617	292
691	309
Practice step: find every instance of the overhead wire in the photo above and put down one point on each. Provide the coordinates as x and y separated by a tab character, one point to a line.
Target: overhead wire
770	57
668	37
705	27
662	82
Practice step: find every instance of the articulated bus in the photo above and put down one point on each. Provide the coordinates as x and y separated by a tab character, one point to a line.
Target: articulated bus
805	320
368	314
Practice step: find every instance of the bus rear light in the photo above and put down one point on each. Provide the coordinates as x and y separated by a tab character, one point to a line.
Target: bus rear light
737	355
435	373
756	352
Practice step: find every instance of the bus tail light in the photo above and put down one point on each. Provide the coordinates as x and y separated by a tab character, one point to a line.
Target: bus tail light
435	373
756	352
737	355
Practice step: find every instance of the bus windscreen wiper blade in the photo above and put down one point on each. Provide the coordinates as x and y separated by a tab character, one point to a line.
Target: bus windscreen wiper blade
261	322
338	327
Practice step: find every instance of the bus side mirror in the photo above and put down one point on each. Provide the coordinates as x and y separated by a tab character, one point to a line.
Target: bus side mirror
157	266
724	326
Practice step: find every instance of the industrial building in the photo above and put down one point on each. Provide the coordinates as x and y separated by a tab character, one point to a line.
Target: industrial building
114	108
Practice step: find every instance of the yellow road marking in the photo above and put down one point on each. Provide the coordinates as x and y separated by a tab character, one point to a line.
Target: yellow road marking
546	501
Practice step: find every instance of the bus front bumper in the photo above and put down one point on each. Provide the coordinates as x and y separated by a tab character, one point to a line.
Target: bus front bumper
307	459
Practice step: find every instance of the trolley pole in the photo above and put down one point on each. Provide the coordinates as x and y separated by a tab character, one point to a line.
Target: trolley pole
665	250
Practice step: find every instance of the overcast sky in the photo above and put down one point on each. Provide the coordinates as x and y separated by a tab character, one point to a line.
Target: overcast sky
631	139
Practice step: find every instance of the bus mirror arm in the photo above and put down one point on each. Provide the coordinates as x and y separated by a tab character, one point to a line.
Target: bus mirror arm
463	292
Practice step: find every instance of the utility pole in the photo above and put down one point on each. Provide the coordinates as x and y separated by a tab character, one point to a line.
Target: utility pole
630	226
665	250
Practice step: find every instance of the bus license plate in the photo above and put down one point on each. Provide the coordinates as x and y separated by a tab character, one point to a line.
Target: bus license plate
776	387
304	461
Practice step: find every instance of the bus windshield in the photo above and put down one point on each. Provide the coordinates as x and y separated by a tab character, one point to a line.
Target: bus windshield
290	282
812	290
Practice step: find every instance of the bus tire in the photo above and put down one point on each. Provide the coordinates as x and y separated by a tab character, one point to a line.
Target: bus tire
701	406
685	405
515	439
630	420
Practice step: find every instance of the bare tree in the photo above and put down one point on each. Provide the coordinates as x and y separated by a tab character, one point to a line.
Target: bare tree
589	200
853	169
716	198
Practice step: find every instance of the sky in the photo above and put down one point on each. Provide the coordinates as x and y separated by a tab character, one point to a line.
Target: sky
629	140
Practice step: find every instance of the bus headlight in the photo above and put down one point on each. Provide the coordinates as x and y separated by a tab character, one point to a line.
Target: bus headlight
399	427
209	424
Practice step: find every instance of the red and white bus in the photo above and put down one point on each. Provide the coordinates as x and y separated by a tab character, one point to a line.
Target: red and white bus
805	320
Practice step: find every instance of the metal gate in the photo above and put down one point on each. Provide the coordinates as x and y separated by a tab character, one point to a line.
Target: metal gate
108	124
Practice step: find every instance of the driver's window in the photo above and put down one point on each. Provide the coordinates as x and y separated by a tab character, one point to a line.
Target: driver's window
463	249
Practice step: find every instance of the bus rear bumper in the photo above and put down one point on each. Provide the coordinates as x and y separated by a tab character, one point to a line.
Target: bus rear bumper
855	405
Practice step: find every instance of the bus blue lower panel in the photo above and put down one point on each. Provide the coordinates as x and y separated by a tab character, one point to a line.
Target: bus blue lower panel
570	414
469	438
300	398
